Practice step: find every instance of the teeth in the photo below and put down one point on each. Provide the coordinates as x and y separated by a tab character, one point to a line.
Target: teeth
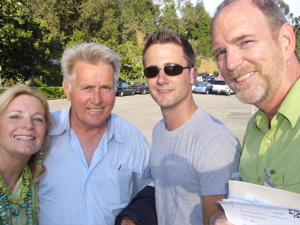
95	110
164	91
244	77
24	137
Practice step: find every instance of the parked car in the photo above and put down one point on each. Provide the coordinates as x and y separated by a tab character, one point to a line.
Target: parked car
220	87
202	76
193	86
203	87
140	88
123	88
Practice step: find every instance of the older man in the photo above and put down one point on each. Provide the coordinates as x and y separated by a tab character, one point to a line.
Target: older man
97	161
254	47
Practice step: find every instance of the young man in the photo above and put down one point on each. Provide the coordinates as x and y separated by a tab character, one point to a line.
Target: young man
193	153
97	161
254	47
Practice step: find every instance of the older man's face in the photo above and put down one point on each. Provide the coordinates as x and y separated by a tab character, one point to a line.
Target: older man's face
92	94
249	58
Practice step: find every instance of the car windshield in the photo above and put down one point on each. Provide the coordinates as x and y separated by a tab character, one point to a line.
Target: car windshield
201	84
137	84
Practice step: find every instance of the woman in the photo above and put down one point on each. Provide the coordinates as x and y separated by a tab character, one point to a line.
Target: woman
25	123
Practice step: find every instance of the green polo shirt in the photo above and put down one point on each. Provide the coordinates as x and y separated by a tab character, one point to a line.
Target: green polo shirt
276	148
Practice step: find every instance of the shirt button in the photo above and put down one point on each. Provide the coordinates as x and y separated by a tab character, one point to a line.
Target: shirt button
88	202
268	142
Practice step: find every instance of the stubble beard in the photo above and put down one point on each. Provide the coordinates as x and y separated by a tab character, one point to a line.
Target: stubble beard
262	86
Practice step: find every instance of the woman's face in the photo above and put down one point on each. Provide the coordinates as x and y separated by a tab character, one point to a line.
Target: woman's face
22	127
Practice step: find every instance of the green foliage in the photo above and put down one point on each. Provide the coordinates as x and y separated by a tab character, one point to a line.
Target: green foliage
293	20
33	33
169	18
52	92
24	41
131	61
48	92
297	50
3	89
285	9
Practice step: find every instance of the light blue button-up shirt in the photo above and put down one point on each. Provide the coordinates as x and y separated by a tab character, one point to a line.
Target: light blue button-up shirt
71	192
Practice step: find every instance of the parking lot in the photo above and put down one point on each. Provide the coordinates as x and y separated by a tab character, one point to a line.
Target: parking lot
143	112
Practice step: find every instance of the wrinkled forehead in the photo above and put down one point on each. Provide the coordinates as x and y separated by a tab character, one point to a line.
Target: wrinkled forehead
237	16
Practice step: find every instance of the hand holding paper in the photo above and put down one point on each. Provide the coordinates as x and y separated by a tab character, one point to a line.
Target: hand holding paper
254	204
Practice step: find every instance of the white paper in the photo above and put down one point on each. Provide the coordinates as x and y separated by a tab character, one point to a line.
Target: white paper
249	214
247	205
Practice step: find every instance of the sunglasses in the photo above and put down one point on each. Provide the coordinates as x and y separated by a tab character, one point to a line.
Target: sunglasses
171	70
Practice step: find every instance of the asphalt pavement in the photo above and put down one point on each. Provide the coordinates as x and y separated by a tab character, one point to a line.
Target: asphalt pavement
143	112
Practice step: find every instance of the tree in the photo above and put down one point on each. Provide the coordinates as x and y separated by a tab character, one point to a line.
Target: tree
142	19
169	18
197	22
285	9
295	21
25	41
42	29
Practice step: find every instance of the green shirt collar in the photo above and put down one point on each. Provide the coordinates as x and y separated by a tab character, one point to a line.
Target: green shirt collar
288	109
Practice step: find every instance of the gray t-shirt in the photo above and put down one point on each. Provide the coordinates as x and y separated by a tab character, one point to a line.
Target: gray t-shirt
194	160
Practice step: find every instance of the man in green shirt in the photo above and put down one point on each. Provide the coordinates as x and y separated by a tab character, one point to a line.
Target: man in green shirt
254	48
271	149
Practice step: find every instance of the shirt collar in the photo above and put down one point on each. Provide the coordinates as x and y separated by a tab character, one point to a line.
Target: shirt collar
62	119
290	108
113	130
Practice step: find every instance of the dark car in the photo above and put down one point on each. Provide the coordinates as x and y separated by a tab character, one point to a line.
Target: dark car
203	87
140	87
203	75
123	88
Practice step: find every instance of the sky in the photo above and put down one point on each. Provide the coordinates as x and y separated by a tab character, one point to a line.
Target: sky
211	5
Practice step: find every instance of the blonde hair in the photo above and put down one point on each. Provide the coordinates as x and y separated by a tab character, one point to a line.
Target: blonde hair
37	169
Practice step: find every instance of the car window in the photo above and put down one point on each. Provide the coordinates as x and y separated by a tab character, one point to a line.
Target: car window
221	82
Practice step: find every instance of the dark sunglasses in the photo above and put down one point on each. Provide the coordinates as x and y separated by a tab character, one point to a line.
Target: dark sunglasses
171	70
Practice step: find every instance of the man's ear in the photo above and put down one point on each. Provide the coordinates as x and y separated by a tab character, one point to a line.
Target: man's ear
288	39
66	89
193	74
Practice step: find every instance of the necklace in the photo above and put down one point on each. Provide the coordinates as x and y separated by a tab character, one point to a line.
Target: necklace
25	200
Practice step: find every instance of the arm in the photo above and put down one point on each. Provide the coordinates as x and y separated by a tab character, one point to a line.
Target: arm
141	210
210	206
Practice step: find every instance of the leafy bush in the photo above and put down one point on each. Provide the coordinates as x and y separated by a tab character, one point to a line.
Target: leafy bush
48	92
52	92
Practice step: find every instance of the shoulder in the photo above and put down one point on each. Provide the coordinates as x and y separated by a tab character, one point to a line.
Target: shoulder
124	127
160	124
61	118
128	135
212	133
61	115
202	120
